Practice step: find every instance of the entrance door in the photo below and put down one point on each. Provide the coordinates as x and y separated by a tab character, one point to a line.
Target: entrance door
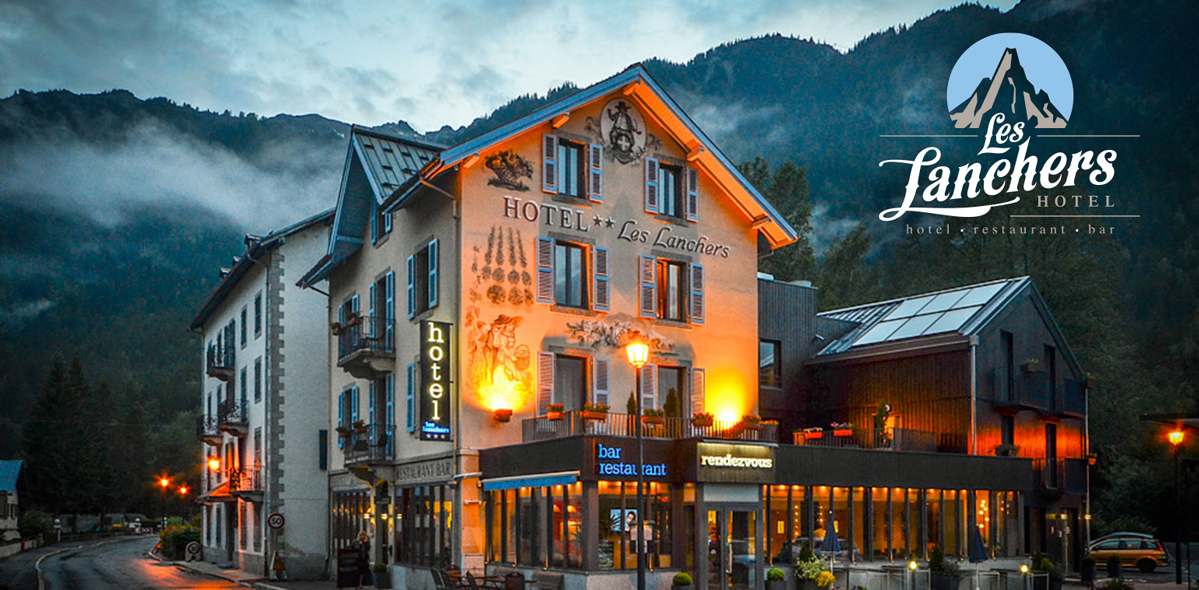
732	549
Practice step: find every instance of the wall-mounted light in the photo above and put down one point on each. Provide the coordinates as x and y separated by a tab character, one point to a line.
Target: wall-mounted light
912	565
503	415
214	464
1176	437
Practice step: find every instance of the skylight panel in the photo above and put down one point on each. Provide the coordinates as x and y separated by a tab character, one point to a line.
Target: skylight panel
944	301
915	326
878	333
952	320
909	308
979	295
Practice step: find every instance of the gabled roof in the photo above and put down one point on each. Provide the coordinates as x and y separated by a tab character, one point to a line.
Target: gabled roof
255	248
376	166
961	311
636	83
10	471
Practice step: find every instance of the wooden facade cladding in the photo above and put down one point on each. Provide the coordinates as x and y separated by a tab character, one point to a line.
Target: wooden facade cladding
928	393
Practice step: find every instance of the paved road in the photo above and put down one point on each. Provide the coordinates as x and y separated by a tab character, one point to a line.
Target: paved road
110	564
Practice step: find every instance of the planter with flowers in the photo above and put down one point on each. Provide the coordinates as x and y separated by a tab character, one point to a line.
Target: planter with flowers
703	420
554	411
595	411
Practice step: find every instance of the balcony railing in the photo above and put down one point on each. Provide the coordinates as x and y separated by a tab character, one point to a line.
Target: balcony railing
366	335
1026	387
610	424
220	361
246	480
208	431
232	417
882	439
374	443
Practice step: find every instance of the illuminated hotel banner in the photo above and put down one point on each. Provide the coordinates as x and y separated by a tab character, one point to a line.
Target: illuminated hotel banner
435	384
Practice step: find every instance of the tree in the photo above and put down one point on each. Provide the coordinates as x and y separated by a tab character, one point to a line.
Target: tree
55	433
787	191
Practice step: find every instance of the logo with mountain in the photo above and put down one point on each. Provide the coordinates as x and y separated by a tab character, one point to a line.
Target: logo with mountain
1014	74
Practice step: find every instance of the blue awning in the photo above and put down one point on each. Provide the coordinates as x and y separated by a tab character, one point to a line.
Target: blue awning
561	478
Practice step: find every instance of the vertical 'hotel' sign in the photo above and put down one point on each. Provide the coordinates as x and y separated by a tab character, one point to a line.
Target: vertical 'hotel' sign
435	365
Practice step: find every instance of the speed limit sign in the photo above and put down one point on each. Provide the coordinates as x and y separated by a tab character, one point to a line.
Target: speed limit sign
193	551
275	521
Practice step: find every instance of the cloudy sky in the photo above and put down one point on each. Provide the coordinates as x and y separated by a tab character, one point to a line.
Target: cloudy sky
429	63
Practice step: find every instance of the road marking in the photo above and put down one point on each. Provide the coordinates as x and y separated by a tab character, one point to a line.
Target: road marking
37	565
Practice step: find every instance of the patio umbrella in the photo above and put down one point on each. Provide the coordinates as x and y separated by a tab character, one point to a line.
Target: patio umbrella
831	544
977	551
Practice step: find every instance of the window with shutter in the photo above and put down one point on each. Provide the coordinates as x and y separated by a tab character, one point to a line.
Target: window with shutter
649	387
601	381
545	270
411	287
549	164
545	381
601	279
651	185
389	308
698	390
434	261
354	404
371	394
371	310
697	294
692	194
597	173
389	410
341	418
649	296
410	421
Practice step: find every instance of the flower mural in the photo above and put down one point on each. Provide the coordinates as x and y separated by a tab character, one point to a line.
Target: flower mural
499	373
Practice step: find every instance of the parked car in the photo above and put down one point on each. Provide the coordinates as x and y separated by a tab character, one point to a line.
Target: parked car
1133	549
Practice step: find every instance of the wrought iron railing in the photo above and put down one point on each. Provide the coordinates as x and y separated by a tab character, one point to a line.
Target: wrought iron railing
371	334
220	360
246	479
565	424
373	443
207	427
885	439
232	413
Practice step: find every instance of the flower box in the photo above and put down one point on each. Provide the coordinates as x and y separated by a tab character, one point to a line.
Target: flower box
843	432
554	415
652	420
702	421
813	435
594	415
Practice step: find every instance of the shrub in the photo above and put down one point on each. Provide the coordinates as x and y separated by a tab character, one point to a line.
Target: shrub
938	565
380	568
775	575
671	406
34	523
175	539
682	579
631	405
805	553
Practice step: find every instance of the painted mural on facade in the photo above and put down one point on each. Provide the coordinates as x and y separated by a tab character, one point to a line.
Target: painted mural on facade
509	168
622	132
499	367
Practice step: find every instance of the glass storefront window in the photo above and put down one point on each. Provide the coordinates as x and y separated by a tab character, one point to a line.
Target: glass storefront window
860	518
949	507
881	518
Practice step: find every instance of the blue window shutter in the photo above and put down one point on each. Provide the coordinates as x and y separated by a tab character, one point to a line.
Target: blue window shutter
545	381
387	223
370	314
545	270
697	294
434	256
411	401
549	164
601	381
651	185
390	298
692	194
354	404
597	173
354	303
649	286
389	418
370	401
602	293
341	417
411	287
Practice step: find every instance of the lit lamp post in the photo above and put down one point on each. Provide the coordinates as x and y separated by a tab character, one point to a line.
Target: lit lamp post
1176	437
638	351
164	483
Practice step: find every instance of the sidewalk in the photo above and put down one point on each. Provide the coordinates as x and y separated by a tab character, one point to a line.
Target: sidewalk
250	580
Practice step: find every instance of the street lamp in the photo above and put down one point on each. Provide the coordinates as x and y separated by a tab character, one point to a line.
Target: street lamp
214	464
1176	437
164	482
638	351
